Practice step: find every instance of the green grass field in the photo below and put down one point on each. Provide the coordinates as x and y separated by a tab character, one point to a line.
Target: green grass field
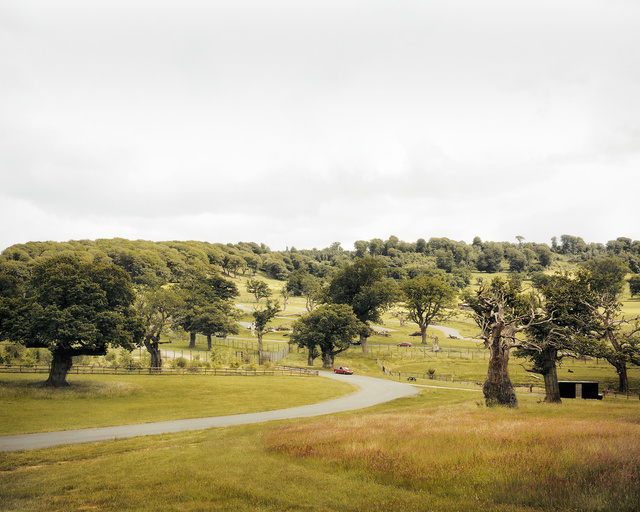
106	400
441	450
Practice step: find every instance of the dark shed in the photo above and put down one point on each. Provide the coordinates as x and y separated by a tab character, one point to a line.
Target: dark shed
579	389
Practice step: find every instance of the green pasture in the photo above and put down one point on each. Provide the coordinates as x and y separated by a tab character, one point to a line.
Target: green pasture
459	366
440	451
460	359
106	400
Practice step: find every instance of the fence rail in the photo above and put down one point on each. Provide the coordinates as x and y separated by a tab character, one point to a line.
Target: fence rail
520	387
417	352
119	370
245	343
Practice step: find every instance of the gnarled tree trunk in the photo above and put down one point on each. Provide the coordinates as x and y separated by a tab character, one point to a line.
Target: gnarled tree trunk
192	340
60	366
498	389
621	370
550	374
63	360
152	345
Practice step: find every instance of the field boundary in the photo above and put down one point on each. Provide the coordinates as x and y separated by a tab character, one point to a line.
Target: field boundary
121	370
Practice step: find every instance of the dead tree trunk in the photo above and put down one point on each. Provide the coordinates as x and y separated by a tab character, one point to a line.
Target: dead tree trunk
498	389
500	325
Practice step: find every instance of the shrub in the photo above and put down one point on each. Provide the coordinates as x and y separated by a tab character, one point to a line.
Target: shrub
111	358
30	357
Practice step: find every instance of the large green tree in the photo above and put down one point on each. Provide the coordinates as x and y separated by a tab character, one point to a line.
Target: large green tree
327	331
634	285
426	298
562	330
619	336
363	286
258	288
160	309
73	308
302	283
208	307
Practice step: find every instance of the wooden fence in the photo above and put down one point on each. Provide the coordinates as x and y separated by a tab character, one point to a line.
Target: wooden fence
119	370
418	352
246	343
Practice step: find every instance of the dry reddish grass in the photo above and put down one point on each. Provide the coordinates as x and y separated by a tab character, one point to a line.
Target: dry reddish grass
545	460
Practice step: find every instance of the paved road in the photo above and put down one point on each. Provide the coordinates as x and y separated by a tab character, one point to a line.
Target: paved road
372	392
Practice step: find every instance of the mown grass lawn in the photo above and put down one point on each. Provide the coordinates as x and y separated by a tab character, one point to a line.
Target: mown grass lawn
439	451
106	400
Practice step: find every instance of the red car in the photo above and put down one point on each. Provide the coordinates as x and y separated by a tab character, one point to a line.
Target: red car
343	369
405	344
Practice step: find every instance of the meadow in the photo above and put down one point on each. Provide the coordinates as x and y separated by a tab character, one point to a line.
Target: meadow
441	450
107	400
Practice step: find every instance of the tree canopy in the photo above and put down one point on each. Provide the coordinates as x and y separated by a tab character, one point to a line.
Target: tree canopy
426	298
73	308
327	330
363	286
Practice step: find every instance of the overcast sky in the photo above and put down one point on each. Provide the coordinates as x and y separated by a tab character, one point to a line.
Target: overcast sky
305	122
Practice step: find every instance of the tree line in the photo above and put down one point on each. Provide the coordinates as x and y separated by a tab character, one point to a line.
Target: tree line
154	263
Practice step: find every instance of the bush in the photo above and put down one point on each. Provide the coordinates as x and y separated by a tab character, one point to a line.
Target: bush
126	360
12	354
30	357
111	358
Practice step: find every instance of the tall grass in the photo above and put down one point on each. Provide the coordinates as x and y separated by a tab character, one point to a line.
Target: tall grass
516	458
438	451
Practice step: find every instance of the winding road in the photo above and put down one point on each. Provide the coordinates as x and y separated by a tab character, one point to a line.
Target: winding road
372	391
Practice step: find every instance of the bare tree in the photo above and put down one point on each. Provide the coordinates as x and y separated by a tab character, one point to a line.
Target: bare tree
502	312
